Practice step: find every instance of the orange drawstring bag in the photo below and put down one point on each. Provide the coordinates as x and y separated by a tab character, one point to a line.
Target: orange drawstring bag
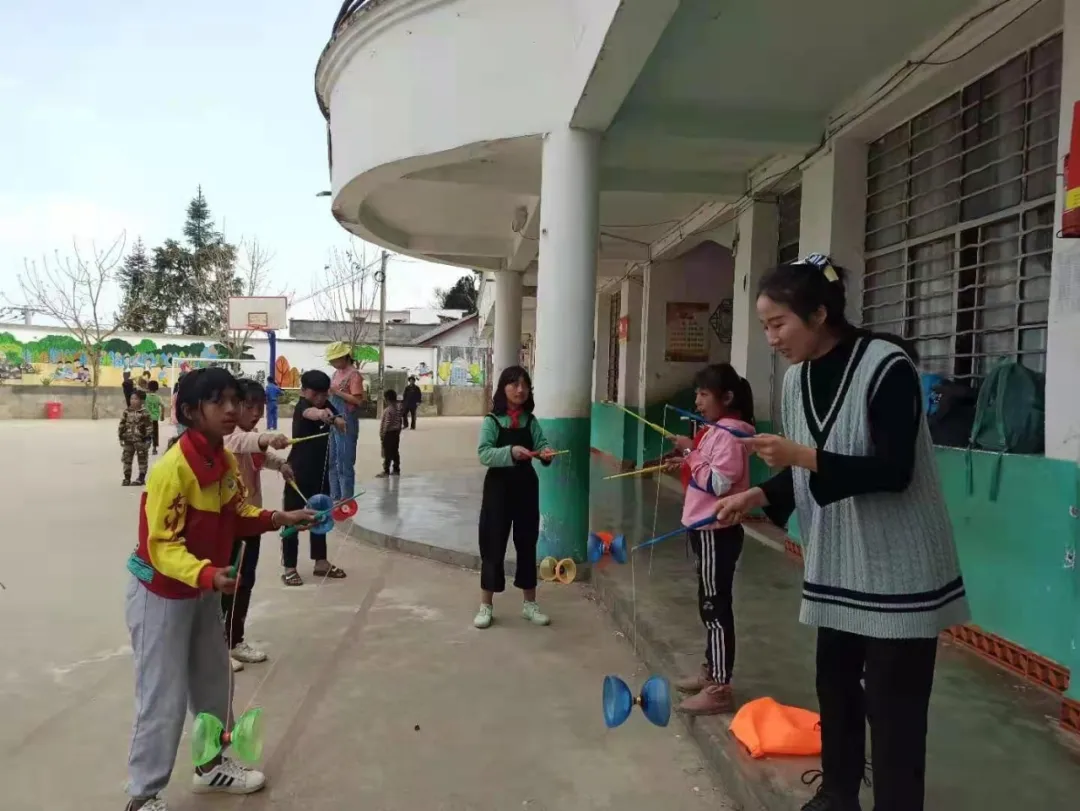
766	727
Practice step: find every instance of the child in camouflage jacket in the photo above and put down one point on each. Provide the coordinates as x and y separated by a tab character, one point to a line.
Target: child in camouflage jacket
135	433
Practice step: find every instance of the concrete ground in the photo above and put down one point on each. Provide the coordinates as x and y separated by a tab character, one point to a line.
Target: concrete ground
380	694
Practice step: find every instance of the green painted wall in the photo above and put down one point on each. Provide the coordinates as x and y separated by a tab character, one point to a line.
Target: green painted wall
614	432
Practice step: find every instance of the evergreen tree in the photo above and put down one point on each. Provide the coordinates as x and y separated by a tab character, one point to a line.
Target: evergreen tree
170	280
462	296
211	272
135	287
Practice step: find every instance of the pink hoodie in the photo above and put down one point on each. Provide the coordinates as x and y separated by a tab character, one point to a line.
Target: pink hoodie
719	465
251	459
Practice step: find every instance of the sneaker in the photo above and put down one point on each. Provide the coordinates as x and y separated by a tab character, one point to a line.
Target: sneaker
245	652
484	616
228	777
382	475
396	473
713	699
237	665
140	482
532	612
695	683
126	483
153	804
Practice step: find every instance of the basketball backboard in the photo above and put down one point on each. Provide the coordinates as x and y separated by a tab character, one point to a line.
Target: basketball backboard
258	312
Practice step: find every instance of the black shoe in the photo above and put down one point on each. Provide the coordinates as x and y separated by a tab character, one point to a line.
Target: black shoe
140	482
827	800
126	483
396	473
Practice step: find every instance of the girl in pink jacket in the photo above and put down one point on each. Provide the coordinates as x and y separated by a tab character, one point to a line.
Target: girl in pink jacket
714	464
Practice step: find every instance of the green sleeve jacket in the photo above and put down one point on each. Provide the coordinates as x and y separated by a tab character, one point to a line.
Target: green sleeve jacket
490	456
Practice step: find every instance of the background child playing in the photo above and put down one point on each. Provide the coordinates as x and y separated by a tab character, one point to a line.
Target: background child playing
390	435
509	438
192	509
250	449
715	464
134	432
153	408
310	462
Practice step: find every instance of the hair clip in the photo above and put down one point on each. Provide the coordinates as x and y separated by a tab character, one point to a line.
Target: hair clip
824	264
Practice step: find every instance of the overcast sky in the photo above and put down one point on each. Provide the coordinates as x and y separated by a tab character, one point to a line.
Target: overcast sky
113	112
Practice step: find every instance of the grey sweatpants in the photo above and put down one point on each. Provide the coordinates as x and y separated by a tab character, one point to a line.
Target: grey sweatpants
181	661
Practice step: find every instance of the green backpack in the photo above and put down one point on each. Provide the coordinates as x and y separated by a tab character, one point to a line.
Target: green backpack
1010	416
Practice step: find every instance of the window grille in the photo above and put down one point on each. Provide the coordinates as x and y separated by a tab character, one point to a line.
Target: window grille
613	348
787	220
960	221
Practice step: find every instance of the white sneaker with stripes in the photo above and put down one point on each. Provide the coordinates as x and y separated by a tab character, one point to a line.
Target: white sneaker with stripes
228	777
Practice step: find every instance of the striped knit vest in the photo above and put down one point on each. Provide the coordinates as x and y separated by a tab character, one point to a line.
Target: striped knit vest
882	565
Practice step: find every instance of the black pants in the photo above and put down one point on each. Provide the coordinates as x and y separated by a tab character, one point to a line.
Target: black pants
391	451
154	434
290	549
511	501
898	675
410	411
717	551
235	606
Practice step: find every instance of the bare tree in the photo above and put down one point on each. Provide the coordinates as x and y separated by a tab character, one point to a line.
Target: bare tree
346	293
71	291
250	277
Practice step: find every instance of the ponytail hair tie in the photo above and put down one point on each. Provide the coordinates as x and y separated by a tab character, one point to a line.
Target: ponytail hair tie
824	264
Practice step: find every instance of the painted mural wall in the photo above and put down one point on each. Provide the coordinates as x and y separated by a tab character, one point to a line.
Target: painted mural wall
53	356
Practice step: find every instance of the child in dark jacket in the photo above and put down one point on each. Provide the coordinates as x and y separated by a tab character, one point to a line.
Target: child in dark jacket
390	435
310	462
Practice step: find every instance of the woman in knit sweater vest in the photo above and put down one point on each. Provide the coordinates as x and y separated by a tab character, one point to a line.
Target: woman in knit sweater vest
882	577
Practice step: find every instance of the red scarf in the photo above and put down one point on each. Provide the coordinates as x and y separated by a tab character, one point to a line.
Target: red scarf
207	462
515	417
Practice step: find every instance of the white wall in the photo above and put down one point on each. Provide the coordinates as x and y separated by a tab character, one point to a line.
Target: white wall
705	274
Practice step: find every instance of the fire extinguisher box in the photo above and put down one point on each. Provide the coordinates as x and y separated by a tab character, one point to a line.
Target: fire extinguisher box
54	410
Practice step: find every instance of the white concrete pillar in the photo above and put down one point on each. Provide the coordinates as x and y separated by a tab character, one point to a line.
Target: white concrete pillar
1063	332
507	351
565	330
631	296
833	214
750	353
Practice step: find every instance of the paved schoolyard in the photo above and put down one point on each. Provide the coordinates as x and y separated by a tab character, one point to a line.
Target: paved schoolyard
380	696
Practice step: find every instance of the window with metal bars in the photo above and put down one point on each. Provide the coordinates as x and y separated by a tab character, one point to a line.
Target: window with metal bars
960	221
788	205
613	348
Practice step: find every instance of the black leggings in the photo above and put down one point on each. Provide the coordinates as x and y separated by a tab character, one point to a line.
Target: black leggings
511	500
898	676
717	551
235	606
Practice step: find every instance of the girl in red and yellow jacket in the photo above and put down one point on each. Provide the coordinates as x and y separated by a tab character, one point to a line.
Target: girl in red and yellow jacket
193	508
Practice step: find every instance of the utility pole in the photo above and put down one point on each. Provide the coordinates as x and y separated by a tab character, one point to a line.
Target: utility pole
381	279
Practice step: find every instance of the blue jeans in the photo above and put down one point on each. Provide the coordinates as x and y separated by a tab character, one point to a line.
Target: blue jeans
343	455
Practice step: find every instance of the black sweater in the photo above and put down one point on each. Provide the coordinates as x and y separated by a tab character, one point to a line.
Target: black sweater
895	411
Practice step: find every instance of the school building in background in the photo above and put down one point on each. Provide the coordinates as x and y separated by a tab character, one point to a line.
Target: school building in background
624	171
